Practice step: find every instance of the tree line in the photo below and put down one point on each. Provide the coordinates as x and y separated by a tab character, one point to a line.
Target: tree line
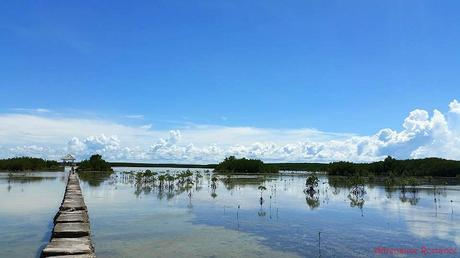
434	167
28	163
243	165
94	163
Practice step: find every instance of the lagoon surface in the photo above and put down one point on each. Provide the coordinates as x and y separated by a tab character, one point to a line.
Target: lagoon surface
130	221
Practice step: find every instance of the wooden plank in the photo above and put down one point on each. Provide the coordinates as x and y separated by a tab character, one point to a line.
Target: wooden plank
72	195
74	203
78	200
76	229
73	198
73	192
72	206
76	216
76	256
71	232
77	188
68	246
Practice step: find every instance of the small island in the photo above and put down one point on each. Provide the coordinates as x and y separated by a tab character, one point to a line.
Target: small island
233	165
18	164
95	163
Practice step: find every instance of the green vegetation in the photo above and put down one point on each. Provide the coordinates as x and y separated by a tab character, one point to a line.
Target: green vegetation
252	166
311	191
391	167
163	183
311	183
94	179
314	167
261	188
434	167
28	163
281	166
95	163
161	165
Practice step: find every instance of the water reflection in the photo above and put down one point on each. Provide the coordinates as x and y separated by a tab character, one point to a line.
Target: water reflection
28	202
279	195
95	179
312	201
284	218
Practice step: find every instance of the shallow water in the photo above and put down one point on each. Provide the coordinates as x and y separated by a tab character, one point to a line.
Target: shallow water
28	203
131	222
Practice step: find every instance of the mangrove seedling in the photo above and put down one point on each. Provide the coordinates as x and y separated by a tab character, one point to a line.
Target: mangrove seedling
261	189
214	182
311	183
162	179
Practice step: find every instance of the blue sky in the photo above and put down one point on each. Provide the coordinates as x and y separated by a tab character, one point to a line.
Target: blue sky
346	67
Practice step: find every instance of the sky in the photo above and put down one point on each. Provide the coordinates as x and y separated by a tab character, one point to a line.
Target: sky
195	81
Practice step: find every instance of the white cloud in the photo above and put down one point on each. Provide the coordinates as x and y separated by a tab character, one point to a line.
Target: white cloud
422	135
135	116
148	126
454	106
32	110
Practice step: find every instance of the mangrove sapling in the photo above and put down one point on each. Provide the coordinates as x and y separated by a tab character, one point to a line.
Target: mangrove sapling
161	179
357	193
403	184
357	201
170	180
188	187
261	189
228	179
312	201
213	194
214	182
357	186
412	181
413	199
311	183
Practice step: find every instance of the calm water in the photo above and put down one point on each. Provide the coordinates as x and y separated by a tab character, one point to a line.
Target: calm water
130	222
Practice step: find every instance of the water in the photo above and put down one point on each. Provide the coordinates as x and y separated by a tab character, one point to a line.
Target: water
131	222
28	203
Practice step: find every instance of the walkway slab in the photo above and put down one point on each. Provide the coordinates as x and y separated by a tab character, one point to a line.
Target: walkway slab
73	192
74	229
68	246
73	198
71	232
73	205
76	256
75	216
73	188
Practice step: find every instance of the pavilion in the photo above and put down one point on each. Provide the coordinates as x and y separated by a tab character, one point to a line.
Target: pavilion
68	160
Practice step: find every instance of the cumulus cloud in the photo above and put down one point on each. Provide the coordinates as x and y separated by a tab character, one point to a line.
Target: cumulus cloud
423	134
454	106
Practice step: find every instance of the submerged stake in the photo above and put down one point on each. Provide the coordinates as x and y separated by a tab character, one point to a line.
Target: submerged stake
319	243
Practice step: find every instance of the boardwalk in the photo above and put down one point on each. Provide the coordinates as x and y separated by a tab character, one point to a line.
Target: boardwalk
71	233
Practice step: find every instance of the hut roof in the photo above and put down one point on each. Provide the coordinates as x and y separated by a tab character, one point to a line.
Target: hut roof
68	157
